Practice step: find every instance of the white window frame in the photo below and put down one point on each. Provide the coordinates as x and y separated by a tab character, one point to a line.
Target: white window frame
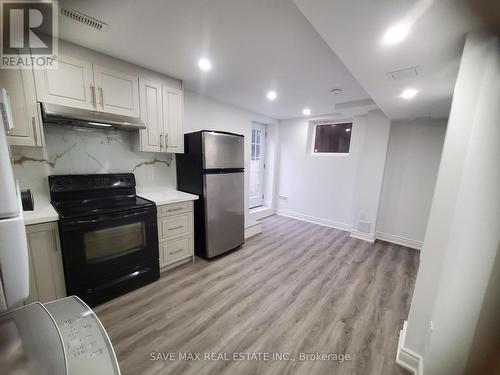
263	155
313	124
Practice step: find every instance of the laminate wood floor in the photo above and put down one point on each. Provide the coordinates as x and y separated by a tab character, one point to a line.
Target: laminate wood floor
295	288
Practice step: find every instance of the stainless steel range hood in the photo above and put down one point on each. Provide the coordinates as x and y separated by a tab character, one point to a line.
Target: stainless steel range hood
58	114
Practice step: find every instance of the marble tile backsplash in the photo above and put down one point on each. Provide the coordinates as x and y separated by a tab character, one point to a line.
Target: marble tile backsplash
70	150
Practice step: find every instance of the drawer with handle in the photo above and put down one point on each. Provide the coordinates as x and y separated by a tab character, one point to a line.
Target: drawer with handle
175	209
175	250
175	226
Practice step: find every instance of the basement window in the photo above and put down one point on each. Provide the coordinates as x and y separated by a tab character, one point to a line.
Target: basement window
332	138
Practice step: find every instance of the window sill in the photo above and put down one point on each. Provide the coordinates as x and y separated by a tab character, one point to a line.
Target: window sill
343	154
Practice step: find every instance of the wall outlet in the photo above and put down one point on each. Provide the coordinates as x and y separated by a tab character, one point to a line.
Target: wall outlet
282	197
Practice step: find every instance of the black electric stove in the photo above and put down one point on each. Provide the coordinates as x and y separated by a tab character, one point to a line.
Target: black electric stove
109	235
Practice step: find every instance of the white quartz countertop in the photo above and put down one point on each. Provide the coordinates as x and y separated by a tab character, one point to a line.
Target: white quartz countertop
166	196
44	212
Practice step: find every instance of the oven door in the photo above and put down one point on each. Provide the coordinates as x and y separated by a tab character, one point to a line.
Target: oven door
106	251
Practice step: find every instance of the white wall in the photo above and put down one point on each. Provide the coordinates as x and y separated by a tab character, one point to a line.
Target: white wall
324	188
70	150
410	175
202	113
370	174
463	234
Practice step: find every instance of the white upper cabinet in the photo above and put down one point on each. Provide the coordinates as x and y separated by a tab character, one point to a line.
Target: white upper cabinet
71	84
81	84
173	113
152	115
20	85
162	110
117	92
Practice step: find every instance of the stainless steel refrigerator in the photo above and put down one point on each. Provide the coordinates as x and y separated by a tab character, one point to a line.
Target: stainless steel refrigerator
212	167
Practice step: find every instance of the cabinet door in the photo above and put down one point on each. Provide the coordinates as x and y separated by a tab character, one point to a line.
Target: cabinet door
47	274
173	113
175	250
117	92
71	84
152	115
20	86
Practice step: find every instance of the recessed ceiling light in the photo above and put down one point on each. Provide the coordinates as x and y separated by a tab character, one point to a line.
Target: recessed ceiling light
204	64
409	93
306	111
271	95
396	34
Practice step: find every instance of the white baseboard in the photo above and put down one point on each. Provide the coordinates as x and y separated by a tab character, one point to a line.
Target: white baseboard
354	233
399	240
362	235
253	229
314	220
407	358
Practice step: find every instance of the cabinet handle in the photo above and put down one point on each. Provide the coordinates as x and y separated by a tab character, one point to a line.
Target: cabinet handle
92	96
177	227
166	141
33	124
161	141
175	209
101	96
176	252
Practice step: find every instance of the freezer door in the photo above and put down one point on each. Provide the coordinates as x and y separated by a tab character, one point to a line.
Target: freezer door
224	212
222	150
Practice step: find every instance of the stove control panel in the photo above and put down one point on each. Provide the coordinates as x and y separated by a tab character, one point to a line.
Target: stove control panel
87	345
86	182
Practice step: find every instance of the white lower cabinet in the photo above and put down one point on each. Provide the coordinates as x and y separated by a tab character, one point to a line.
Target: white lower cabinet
175	232
46	267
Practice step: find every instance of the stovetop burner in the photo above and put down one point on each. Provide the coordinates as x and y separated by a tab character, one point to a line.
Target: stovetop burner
88	207
85	195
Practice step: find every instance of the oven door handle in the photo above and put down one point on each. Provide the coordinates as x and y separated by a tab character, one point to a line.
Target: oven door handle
100	219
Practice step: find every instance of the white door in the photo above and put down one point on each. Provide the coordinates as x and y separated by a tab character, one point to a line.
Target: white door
71	84
257	165
117	92
173	119
152	115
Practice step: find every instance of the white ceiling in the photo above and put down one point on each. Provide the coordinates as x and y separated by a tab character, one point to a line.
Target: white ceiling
254	46
354	30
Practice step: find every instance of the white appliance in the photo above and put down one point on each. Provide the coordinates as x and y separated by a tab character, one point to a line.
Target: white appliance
14	268
58	338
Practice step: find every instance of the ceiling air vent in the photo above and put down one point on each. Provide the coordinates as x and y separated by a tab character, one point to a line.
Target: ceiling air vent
403	73
83	18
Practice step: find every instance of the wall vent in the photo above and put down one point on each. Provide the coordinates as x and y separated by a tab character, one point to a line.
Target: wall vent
403	73
84	19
